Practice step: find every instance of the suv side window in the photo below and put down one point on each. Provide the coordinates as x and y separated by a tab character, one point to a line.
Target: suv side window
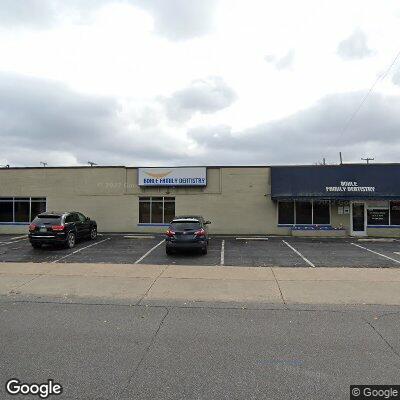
69	218
81	217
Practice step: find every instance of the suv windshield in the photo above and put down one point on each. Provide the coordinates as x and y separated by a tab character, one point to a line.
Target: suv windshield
185	226
47	219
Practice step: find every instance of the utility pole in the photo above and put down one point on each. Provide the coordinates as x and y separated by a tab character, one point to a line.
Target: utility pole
368	159
340	156
44	164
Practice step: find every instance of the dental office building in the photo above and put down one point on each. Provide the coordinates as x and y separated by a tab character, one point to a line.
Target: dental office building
311	200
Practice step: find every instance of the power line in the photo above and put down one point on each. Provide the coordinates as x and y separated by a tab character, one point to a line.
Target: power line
364	99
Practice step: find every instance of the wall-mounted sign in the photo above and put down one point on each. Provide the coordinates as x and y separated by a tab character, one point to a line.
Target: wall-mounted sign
338	182
193	176
346	186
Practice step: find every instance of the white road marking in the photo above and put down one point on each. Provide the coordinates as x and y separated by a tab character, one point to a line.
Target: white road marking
222	253
146	254
299	254
252	238
139	237
79	250
18	237
375	252
15	241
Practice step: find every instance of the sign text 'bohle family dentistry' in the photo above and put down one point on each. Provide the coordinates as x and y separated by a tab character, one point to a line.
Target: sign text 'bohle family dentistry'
194	176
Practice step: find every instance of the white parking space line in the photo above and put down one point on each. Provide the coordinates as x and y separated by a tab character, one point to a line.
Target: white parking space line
375	252
252	238
222	253
146	254
79	250
19	237
14	241
299	254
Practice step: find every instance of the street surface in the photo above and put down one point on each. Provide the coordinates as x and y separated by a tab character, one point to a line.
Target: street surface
100	351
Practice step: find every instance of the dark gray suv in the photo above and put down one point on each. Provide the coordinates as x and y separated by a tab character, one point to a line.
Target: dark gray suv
187	232
61	228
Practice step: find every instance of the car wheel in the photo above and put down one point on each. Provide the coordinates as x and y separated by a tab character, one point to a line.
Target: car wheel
36	245
93	233
204	250
70	240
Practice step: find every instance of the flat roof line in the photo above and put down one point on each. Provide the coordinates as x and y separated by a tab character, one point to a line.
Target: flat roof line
203	166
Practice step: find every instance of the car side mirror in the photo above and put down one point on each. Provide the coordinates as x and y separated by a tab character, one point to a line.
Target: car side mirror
207	222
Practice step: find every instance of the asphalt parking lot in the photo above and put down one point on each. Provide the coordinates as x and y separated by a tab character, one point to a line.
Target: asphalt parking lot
229	251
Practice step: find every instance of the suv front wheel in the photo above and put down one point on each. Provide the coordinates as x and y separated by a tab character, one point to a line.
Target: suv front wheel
71	238
93	233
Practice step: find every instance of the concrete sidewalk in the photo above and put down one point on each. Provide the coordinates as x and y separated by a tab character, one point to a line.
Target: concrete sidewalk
161	284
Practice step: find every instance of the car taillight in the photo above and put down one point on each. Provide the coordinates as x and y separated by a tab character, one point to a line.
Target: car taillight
170	233
32	227
200	232
57	228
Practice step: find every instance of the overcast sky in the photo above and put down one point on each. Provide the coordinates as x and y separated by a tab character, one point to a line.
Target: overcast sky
198	82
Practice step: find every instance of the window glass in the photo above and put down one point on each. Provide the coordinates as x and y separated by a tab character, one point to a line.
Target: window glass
169	211
37	208
144	212
48	219
321	212
286	212
6	211
395	213
156	212
303	212
22	211
378	216
81	217
182	226
68	219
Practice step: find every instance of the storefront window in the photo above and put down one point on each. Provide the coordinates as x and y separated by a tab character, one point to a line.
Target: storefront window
286	212
156	210
303	212
395	213
321	212
378	216
21	209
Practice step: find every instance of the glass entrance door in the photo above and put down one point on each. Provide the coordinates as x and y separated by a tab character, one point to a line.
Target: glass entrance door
358	226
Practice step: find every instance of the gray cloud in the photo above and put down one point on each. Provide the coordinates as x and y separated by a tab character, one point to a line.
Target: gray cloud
174	19
309	135
41	118
181	19
283	62
354	47
205	96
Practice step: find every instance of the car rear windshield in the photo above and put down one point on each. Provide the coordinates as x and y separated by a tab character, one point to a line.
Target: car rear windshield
47	219
185	226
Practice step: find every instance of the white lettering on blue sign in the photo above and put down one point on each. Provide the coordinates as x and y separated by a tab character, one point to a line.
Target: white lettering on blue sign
349	186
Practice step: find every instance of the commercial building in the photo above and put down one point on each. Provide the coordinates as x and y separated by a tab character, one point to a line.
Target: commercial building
337	200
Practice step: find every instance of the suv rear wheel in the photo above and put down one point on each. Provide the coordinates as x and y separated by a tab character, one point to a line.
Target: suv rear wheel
71	238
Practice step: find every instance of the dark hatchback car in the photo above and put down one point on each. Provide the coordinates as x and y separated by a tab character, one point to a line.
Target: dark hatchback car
61	228
187	233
